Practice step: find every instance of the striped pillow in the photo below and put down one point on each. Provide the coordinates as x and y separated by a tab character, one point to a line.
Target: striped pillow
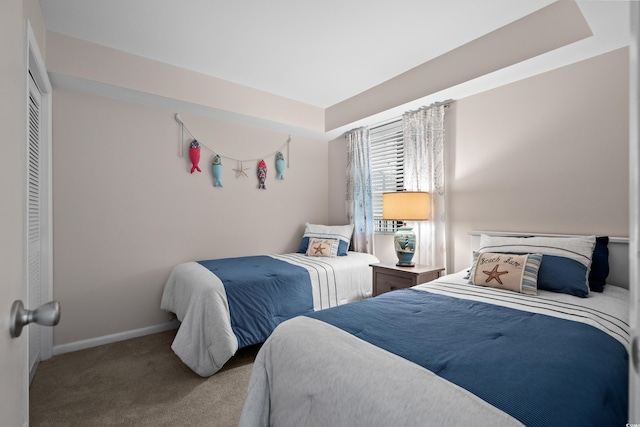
518	273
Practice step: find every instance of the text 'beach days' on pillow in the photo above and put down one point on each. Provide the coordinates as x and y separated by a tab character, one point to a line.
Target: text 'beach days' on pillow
342	233
565	263
518	273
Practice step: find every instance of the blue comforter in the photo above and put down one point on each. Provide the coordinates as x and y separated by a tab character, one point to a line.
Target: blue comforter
542	370
261	292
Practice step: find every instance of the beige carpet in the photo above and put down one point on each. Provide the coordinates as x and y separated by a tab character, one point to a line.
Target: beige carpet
138	382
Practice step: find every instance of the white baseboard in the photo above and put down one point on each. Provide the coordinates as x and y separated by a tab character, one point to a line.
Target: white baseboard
108	339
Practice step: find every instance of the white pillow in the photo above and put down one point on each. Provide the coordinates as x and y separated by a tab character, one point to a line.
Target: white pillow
577	248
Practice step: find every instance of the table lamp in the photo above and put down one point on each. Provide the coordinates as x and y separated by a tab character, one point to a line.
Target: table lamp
405	206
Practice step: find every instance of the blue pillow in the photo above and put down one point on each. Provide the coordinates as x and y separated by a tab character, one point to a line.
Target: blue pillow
599	265
565	275
560	274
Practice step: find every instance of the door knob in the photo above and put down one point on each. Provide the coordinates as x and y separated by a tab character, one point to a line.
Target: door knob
46	315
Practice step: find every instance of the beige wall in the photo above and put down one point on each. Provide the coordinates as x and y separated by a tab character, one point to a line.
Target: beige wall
545	154
126	208
147	216
89	65
33	13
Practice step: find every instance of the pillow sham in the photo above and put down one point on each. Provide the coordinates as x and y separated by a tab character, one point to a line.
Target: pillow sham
518	273
322	247
565	264
342	233
563	275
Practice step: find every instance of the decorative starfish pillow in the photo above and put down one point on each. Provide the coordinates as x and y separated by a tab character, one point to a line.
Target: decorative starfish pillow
323	247
342	233
518	273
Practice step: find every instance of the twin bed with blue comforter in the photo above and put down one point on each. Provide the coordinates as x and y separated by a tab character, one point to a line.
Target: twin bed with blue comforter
226	304
450	352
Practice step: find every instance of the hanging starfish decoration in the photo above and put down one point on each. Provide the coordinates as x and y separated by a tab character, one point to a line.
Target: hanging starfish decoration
240	171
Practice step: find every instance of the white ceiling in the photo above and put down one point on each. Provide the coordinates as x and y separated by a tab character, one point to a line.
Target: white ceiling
320	52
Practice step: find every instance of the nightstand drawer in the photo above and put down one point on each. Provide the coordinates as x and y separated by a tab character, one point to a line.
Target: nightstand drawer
387	282
388	277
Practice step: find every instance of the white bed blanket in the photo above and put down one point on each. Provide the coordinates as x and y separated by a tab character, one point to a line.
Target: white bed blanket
205	340
338	280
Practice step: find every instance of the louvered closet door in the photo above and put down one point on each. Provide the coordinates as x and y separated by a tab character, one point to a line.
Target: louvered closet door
33	218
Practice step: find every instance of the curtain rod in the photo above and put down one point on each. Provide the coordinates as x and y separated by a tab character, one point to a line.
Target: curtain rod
445	104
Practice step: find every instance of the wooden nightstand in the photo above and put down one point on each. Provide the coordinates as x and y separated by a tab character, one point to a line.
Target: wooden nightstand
389	277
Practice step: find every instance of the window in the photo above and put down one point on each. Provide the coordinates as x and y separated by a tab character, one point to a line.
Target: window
387	169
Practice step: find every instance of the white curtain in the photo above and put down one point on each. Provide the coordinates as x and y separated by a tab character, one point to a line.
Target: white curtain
423	132
359	194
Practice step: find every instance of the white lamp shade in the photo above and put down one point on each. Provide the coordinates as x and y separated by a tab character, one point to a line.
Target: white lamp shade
406	206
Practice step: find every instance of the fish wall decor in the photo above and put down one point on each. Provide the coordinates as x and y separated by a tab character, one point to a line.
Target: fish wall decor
262	174
194	155
279	165
217	170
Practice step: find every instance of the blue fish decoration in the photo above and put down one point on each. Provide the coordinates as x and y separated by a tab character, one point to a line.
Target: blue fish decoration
279	165
217	171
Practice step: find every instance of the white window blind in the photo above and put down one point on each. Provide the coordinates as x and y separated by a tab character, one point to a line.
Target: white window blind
387	168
